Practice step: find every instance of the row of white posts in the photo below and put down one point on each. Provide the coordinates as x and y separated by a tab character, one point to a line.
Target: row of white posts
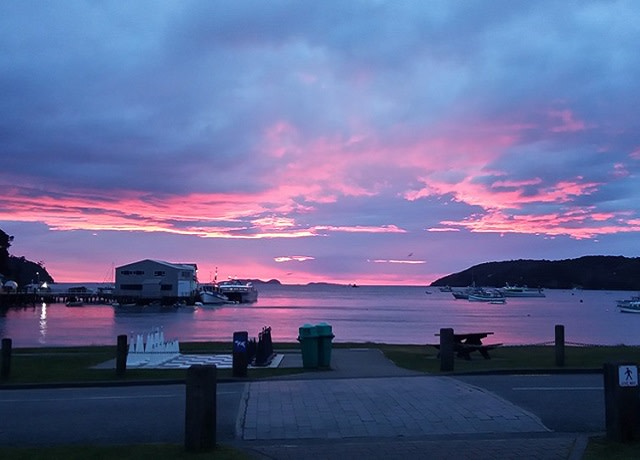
152	351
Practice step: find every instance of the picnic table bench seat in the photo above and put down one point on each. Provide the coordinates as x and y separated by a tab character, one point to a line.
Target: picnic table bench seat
464	350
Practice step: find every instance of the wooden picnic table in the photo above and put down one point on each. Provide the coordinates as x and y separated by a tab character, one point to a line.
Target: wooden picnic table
467	343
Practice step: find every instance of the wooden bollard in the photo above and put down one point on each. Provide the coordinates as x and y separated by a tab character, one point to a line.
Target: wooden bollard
559	345
200	409
446	349
121	356
5	372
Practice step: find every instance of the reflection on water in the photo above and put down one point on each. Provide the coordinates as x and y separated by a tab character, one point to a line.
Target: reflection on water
43	324
370	313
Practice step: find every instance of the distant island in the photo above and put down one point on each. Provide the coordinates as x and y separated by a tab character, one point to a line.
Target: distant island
588	272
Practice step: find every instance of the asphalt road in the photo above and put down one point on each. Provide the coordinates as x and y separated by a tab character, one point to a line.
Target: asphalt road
106	415
564	403
151	414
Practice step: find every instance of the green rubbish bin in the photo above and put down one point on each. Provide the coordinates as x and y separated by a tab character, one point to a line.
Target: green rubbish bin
325	336
308	338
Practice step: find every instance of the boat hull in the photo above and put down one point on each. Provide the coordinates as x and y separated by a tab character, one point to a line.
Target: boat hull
213	298
514	291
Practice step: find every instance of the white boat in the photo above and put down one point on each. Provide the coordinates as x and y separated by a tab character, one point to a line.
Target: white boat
633	306
484	295
210	295
626	302
74	302
466	292
521	291
239	291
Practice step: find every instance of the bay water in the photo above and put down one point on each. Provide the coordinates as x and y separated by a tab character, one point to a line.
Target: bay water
382	314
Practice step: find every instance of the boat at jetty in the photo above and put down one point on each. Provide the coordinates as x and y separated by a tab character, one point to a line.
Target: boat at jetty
239	291
74	302
210	294
521	291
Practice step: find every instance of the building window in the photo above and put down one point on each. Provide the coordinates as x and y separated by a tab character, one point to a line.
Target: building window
138	272
159	273
131	287
166	287
125	272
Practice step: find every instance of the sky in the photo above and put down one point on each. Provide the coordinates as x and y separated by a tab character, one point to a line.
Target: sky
369	142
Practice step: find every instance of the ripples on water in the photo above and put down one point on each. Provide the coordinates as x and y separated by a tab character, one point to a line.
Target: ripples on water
369	313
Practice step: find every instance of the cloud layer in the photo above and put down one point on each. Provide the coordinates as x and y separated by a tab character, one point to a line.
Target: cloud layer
318	140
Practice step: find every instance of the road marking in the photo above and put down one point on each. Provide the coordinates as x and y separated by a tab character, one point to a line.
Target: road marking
558	388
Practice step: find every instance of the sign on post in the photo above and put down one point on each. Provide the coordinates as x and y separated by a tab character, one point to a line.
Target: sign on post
628	375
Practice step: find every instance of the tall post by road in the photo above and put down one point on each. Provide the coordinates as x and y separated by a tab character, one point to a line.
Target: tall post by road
559	345
446	349
121	355
622	402
5	372
200	410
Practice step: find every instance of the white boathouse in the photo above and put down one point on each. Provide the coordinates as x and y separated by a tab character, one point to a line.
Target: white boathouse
156	279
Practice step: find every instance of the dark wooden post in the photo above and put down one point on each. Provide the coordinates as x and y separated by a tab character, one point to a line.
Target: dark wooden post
622	402
200	410
446	349
121	356
6	359
559	345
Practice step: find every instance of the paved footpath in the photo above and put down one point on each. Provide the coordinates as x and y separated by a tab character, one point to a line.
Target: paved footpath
336	414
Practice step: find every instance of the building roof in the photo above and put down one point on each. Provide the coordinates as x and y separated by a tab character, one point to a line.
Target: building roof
178	266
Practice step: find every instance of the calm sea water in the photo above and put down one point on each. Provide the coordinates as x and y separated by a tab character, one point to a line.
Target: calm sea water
389	314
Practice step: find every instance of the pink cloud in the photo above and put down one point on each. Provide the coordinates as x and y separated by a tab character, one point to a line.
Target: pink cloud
293	258
360	229
580	223
397	261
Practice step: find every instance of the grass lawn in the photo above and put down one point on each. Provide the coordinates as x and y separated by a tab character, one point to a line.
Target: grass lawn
425	358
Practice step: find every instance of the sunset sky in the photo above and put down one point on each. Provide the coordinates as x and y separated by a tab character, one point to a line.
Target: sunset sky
386	142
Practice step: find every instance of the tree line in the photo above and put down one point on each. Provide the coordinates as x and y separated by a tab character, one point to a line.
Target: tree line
19	269
588	272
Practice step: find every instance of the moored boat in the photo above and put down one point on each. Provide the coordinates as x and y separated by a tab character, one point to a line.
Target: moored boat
239	291
487	295
466	292
625	302
632	306
521	291
74	302
210	294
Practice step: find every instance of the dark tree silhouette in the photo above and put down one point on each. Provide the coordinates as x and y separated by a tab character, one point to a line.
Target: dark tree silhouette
5	244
